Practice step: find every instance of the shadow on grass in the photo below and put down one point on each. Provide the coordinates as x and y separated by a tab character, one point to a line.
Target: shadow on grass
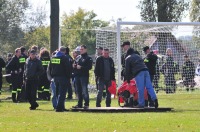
185	110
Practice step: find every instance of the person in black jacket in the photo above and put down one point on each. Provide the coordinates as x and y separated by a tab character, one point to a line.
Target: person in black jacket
2	65
135	68
126	48
60	69
188	73
83	66
32	70
105	73
150	61
15	68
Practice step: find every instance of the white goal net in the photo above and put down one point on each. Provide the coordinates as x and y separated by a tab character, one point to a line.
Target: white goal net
182	38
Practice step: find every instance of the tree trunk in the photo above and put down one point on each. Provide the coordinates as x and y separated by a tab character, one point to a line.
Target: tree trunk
162	11
54	23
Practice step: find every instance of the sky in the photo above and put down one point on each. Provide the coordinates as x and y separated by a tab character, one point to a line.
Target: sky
107	10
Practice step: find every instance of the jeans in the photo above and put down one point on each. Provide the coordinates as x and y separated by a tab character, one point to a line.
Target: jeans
62	84
101	85
143	80
82	89
54	98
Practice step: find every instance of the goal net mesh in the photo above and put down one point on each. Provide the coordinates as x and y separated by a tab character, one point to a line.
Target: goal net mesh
181	39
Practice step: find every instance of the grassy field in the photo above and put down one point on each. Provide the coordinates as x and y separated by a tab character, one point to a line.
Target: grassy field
185	117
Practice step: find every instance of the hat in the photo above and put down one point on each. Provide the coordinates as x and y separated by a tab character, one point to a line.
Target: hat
125	43
32	51
101	48
145	48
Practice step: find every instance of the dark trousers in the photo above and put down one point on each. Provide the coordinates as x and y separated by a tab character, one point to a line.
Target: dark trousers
69	92
44	88
102	83
82	88
62	84
16	84
31	91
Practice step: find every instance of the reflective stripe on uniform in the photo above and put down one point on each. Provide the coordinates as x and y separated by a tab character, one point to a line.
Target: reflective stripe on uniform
39	91
22	60
55	61
46	90
146	60
19	90
14	91
45	63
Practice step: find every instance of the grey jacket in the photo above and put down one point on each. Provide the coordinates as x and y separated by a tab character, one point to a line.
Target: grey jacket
33	69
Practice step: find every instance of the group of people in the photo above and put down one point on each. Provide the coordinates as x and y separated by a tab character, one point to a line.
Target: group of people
34	74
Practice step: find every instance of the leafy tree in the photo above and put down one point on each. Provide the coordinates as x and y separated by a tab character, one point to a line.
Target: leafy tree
40	37
194	11
11	17
79	28
163	10
195	17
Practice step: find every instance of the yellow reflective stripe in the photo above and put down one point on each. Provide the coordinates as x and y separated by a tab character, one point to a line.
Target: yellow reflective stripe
42	87
22	60
146	60
39	91
45	63
19	90
14	91
46	90
55	61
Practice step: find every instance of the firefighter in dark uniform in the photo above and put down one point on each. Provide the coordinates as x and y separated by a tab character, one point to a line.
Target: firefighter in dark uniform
16	69
22	61
150	61
60	70
188	73
2	65
169	69
32	70
44	83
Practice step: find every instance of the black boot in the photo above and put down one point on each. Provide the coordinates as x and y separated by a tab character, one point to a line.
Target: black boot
156	103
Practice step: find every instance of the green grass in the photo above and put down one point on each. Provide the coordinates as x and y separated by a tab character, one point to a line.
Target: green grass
185	117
